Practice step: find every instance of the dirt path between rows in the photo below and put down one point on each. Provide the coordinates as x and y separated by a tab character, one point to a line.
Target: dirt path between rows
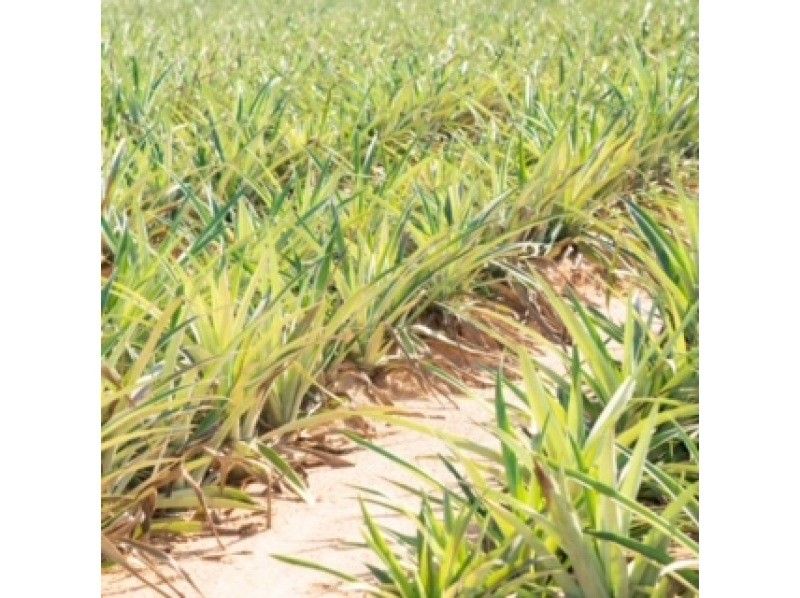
319	531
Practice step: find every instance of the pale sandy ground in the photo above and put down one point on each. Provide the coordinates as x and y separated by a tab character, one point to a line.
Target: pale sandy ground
317	531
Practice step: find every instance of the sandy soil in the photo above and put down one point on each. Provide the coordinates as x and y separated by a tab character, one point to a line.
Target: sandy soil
319	531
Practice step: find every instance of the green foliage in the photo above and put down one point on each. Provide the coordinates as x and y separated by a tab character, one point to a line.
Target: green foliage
573	503
594	489
289	185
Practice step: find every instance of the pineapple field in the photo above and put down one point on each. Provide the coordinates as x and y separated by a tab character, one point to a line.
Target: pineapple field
475	228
